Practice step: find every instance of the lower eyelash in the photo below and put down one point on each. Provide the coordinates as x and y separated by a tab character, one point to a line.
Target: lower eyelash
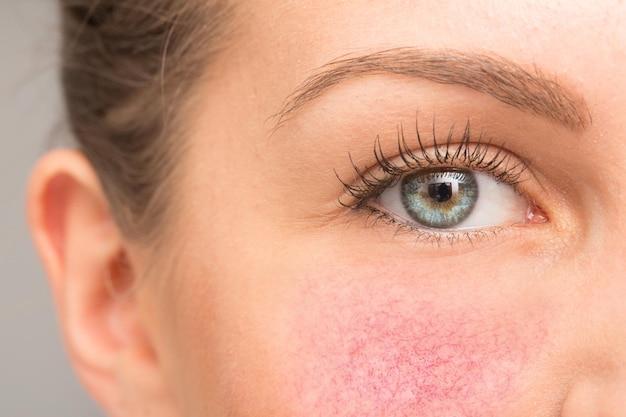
430	236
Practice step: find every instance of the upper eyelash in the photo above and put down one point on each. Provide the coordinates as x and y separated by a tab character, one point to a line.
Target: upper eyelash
468	154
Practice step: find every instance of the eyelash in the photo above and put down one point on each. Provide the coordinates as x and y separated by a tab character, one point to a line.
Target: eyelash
479	155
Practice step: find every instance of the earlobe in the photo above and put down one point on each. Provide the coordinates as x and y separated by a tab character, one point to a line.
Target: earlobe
92	269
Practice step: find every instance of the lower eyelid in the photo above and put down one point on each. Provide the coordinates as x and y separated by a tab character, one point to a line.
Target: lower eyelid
435	238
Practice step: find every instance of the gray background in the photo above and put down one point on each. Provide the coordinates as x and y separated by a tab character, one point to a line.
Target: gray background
35	377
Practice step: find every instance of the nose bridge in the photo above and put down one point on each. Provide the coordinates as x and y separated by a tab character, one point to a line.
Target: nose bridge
596	333
603	269
607	273
604	224
609	237
610	253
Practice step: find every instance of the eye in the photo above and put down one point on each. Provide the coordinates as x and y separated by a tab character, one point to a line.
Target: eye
452	199
452	190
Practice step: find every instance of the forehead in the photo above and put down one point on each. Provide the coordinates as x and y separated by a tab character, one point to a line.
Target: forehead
582	44
354	23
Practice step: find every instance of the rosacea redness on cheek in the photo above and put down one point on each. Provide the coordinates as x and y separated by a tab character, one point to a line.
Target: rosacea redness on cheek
384	353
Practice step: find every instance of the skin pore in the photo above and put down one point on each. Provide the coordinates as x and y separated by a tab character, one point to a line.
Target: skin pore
273	293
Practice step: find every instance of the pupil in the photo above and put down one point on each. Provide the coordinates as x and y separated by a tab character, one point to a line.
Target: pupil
440	192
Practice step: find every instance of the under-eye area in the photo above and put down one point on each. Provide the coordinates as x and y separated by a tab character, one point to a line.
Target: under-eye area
451	188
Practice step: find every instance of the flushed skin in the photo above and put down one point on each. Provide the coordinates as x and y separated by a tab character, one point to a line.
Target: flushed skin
266	295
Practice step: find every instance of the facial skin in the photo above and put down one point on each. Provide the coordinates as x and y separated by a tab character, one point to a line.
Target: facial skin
267	296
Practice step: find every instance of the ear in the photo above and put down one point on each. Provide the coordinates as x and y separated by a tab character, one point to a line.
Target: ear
93	270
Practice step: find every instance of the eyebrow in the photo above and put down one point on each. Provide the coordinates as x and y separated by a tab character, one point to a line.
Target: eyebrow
493	75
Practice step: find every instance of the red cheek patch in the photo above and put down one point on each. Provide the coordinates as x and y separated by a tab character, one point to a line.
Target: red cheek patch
386	352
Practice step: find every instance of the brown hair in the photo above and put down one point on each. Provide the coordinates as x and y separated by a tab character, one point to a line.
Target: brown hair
128	68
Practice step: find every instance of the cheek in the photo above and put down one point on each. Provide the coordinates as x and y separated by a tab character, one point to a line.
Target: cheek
363	347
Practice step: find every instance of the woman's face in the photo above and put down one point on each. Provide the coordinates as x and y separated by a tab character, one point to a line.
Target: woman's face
427	231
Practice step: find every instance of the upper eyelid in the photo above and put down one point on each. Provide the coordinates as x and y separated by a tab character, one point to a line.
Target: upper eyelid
465	152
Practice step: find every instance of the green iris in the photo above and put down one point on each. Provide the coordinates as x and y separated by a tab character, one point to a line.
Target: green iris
439	199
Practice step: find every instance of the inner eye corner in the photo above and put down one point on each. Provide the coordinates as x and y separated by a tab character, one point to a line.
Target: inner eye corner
536	215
